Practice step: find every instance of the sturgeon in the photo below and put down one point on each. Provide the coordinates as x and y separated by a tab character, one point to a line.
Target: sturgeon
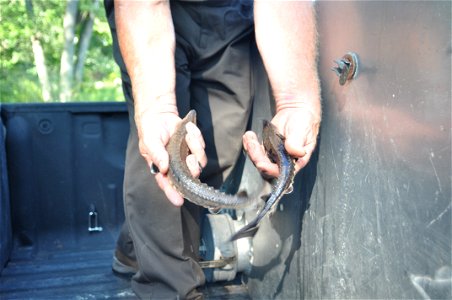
201	194
192	188
274	146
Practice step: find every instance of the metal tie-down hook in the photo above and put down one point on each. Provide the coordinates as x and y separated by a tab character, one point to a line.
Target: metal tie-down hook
93	223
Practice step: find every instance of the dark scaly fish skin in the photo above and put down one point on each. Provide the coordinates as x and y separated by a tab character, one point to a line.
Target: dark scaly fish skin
274	145
191	188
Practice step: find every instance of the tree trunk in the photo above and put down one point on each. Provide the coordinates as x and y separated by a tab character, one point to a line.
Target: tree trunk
85	41
67	56
38	53
41	69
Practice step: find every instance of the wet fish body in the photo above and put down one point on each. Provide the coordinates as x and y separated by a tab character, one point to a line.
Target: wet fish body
191	188
201	194
274	145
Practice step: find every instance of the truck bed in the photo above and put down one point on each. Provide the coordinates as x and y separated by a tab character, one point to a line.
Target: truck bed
65	170
83	275
370	215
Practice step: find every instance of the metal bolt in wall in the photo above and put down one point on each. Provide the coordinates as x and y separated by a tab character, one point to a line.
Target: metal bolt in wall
347	67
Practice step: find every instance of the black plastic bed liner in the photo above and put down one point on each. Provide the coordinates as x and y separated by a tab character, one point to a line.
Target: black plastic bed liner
60	221
83	275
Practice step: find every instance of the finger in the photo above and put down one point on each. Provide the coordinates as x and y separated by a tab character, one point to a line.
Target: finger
196	144
258	156
193	165
195	132
170	193
303	161
295	143
155	152
144	152
268	168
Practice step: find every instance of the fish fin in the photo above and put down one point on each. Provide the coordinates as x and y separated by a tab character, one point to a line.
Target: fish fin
272	210
214	210
244	233
249	230
289	189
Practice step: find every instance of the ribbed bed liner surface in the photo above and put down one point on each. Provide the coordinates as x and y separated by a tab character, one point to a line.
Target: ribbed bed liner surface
82	275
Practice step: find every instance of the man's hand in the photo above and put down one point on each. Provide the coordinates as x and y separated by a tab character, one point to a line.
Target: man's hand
286	36
299	126
154	131
147	41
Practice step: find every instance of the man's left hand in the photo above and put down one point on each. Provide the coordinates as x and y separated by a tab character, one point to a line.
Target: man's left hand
299	126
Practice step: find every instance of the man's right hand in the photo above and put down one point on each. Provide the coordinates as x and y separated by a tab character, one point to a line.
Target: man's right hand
147	41
154	131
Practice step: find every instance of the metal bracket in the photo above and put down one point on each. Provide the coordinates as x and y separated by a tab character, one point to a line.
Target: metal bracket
93	223
219	263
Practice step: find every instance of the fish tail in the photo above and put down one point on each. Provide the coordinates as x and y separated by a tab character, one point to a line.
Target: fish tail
246	231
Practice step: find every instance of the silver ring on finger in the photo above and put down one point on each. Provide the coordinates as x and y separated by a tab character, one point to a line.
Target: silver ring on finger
154	169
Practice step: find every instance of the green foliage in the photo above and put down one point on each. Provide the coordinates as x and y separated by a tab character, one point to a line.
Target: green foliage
18	78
